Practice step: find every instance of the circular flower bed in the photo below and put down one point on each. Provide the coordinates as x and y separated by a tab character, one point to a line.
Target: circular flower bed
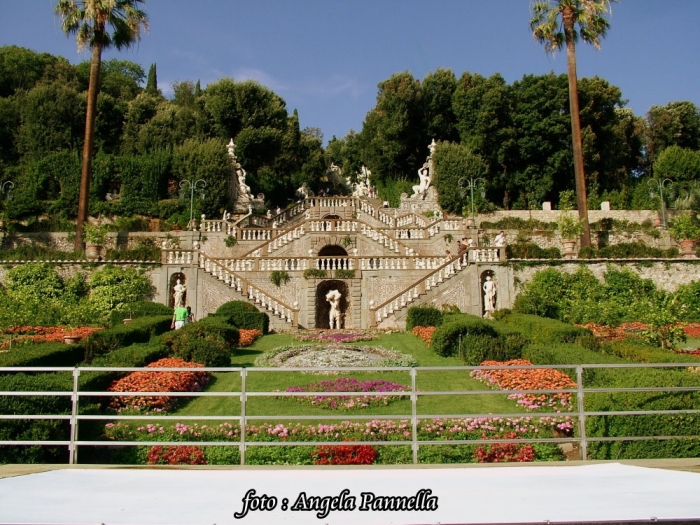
347	384
331	356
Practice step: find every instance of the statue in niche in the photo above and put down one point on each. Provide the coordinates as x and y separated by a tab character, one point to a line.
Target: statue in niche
333	297
419	190
179	294
490	291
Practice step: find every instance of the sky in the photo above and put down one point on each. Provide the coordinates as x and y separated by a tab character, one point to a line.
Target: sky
326	57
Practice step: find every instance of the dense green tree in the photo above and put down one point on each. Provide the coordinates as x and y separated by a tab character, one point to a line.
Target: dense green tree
678	164
206	160
558	24
455	164
91	21
21	69
152	82
437	90
51	120
675	124
393	139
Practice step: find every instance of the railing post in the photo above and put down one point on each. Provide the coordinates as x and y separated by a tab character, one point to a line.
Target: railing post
414	416
242	421
72	448
581	413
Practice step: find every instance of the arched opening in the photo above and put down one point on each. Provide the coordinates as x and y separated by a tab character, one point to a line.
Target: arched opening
332	250
332	217
323	306
177	280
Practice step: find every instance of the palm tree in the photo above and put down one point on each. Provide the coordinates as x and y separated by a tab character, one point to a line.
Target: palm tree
91	21
556	23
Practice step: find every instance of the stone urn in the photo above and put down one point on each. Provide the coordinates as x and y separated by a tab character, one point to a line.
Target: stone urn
687	247
71	339
93	252
569	248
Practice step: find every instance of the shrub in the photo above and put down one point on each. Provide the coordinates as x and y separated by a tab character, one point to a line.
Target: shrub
279	277
46	354
446	339
529	250
139	309
209	342
543	330
138	331
244	315
423	316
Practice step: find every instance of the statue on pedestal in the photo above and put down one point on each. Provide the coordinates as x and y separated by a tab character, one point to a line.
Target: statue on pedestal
333	297
490	291
419	190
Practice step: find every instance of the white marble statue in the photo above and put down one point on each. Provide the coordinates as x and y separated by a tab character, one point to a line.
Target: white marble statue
243	188
231	148
179	294
303	191
490	291
333	297
421	188
432	147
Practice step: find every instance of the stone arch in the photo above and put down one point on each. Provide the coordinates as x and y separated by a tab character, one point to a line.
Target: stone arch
332	217
332	250
171	294
482	280
323	307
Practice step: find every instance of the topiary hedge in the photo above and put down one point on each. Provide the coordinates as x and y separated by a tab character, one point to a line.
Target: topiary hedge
423	316
244	315
209	342
476	340
139	309
138	331
545	330
45	354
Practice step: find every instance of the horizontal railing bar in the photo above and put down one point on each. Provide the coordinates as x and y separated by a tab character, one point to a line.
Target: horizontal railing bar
36	393
34	416
641	412
639	438
157	418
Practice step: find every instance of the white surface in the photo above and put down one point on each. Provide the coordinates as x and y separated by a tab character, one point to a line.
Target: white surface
465	495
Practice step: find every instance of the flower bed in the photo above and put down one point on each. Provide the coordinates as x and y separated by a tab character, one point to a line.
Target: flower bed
375	430
635	328
345	455
333	336
157	382
175	455
529	379
247	337
505	452
332	355
347	384
424	332
45	334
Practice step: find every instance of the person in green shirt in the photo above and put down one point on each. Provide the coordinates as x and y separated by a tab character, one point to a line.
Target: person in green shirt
179	317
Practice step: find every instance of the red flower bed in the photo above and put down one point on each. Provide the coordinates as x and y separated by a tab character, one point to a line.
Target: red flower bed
157	382
247	337
345	455
528	379
505	452
45	334
175	455
424	332
692	329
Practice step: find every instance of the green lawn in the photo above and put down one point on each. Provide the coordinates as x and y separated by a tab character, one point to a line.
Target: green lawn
426	381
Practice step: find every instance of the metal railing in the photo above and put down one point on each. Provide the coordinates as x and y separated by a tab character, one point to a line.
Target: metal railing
578	415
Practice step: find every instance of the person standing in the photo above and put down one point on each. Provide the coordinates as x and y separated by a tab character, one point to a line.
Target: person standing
179	317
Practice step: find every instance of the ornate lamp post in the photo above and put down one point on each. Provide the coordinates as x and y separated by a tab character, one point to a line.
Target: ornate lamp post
470	184
193	186
659	185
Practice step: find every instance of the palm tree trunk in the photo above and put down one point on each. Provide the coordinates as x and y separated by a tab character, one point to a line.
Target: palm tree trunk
579	176
88	146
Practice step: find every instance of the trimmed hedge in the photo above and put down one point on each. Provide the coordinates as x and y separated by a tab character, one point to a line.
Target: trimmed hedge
423	316
640	352
209	342
481	339
244	315
633	425
138	331
545	330
139	309
44	354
